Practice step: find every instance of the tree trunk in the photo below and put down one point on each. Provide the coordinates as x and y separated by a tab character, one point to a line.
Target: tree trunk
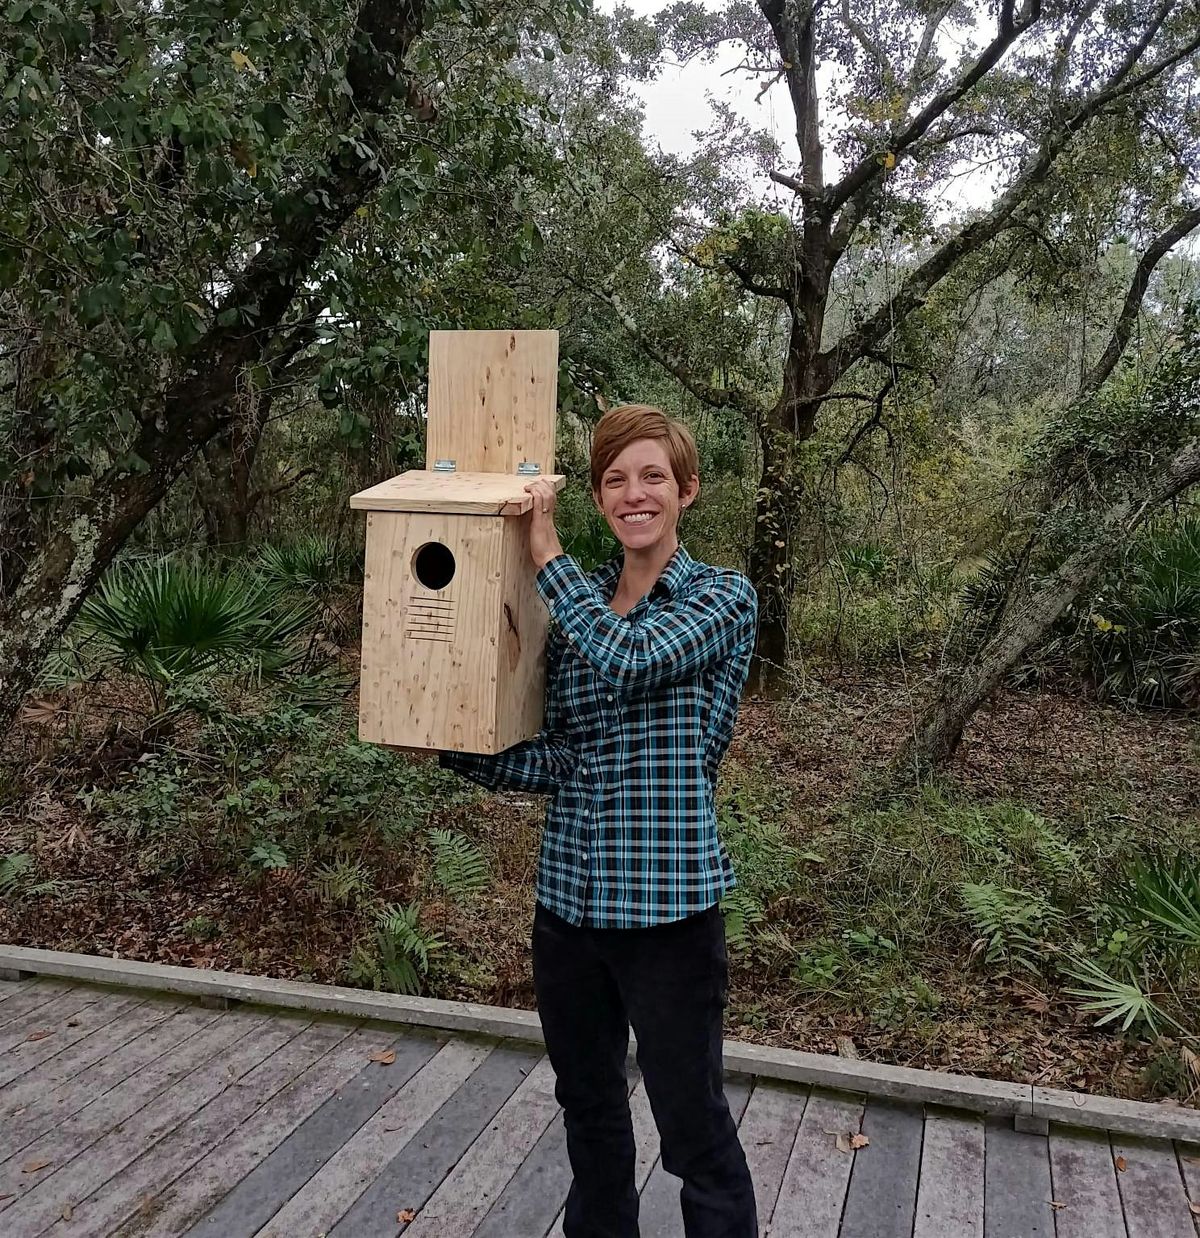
67	565
780	506
1028	617
224	473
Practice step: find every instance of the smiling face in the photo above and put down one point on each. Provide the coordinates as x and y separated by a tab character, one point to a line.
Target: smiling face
640	498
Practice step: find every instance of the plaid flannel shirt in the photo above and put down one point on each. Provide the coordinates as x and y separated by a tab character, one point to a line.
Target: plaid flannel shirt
639	712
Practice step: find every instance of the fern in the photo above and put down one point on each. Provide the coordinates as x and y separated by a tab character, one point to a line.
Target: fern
742	911
458	865
12	869
404	947
1012	924
342	881
16	873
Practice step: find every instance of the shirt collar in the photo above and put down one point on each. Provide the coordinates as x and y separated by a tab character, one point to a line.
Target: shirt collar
670	581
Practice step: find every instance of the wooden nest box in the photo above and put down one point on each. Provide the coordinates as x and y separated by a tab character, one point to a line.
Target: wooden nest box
454	633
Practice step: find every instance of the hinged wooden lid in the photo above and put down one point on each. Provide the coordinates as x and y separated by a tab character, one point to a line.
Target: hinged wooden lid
492	399
423	490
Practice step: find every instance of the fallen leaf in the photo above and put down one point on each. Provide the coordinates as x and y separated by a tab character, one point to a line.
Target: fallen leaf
241	62
859	1141
1056	1205
1121	1164
385	1057
31	1167
72	1022
1194	1209
842	1140
9	1196
67	1213
40	1035
405	1215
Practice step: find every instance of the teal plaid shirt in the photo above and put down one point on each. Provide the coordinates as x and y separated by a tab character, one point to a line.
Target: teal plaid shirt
639	712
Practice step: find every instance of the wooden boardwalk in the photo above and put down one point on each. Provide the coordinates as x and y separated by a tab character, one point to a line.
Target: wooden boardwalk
128	1114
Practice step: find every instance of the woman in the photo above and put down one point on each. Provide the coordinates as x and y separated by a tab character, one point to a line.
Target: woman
646	662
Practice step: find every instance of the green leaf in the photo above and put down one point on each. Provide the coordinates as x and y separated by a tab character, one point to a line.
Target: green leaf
163	338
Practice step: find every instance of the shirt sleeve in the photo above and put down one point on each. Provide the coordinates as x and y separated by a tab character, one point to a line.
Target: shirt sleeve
538	764
672	643
541	764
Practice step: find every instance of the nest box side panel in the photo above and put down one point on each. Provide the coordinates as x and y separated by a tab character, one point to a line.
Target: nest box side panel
492	399
523	623
429	648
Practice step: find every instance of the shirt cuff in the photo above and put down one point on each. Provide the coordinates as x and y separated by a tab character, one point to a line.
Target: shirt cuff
561	580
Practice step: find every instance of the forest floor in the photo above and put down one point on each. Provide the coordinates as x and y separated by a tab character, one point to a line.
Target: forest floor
861	946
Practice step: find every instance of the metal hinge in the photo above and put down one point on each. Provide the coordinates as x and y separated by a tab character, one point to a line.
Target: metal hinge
529	468
443	466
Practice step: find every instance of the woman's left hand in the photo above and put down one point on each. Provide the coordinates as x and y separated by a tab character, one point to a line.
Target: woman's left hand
543	537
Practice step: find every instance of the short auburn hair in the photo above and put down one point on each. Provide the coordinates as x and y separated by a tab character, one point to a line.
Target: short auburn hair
629	422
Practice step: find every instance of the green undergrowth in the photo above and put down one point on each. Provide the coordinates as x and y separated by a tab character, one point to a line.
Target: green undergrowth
882	911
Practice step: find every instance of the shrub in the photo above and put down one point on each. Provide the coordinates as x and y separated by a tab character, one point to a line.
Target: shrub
170	619
1139	638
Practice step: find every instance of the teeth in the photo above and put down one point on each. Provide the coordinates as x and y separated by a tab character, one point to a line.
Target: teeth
638	518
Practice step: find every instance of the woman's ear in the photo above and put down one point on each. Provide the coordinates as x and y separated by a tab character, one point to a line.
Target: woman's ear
689	493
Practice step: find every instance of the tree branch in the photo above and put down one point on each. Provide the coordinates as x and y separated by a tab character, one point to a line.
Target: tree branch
916	76
869	334
1011	28
706	393
1158	248
797	47
866	42
1062	58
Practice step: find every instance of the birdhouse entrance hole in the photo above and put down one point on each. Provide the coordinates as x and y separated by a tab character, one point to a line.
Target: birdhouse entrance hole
433	565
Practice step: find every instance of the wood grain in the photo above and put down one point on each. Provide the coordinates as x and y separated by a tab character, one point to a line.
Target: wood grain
492	399
467	494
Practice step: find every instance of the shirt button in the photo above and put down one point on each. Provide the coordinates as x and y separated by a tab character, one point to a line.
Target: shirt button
609	697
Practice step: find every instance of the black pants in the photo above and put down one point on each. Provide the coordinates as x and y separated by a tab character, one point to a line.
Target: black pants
670	982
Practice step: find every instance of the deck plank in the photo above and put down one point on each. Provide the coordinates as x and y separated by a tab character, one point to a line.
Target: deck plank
250	1204
90	1155
465	1196
1189	1167
117	1086
20	1059
155	1115
1084	1182
50	1017
413	1175
768	1132
813	1191
136	1188
329	1194
99	1046
1152	1190
882	1196
950	1188
37	995
1017	1196
660	1216
10	988
250	1143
